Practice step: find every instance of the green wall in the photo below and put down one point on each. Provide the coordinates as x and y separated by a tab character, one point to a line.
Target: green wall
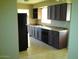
73	39
8	30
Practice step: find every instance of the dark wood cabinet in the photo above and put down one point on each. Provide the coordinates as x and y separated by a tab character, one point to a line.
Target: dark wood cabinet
51	12
37	33
58	39
35	13
44	35
31	31
55	38
59	12
22	32
63	11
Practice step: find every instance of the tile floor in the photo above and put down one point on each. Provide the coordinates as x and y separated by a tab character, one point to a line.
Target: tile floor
40	50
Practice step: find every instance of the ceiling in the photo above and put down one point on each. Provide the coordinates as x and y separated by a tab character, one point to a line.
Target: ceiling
29	1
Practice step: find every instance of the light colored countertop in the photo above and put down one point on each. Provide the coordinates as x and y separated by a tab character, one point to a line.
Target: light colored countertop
50	28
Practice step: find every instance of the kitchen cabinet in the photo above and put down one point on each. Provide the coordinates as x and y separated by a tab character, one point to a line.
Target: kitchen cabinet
51	12
44	35
31	31
58	39
34	32
59	12
35	13
37	33
63	11
55	37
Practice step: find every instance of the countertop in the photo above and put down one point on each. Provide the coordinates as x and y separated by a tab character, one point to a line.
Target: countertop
50	28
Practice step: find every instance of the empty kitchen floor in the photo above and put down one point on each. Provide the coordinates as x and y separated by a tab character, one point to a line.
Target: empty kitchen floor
40	50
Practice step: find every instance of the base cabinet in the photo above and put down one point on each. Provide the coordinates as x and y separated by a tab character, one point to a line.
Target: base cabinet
44	35
39	34
57	39
53	39
34	32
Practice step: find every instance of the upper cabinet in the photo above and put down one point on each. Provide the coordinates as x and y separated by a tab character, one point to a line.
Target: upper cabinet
35	13
59	12
51	12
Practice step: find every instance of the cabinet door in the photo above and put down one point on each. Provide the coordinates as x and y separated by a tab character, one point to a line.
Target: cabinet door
63	39
44	35
35	13
57	12
29	30
54	39
60	11
35	30
51	12
36	33
63	11
39	33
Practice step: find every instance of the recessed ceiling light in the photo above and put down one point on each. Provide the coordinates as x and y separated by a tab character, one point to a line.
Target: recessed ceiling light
57	0
25	0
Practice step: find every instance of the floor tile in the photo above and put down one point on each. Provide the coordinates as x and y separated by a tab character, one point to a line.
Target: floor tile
40	50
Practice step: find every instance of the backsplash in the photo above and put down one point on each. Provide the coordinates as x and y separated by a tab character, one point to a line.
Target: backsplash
64	24
50	22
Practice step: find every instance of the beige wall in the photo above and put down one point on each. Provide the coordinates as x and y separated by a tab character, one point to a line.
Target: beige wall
45	3
39	15
23	6
50	2
54	22
30	7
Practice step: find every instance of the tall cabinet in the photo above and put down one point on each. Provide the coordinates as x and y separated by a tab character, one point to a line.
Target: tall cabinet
22	31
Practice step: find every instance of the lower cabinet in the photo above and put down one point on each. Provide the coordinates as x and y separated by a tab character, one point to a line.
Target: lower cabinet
31	31
54	39
57	39
44	35
39	34
34	32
